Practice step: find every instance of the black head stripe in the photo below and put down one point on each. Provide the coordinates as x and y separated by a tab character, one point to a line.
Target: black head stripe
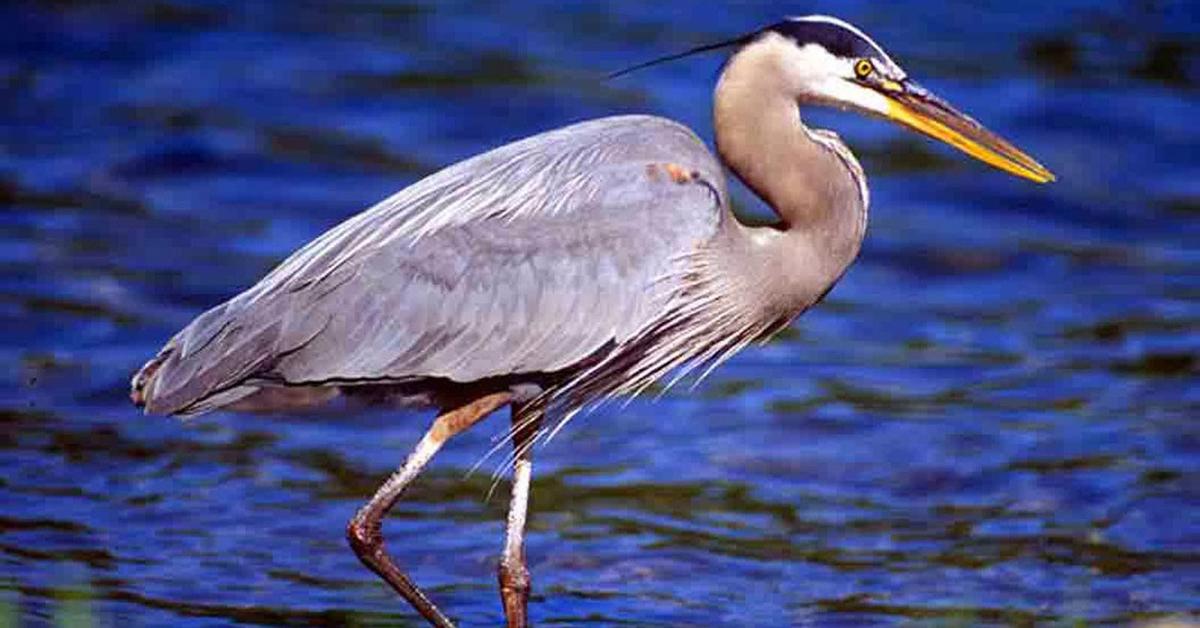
837	39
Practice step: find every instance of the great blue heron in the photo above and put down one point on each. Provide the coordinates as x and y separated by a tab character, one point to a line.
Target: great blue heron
556	271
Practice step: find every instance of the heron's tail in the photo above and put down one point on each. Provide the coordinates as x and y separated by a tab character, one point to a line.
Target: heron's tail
141	387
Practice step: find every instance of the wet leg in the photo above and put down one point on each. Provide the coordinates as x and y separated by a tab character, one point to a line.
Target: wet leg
365	531
513	572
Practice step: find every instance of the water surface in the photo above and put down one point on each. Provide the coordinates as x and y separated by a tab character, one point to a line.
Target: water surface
991	420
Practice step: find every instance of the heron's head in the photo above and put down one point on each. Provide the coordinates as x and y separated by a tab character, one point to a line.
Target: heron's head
827	61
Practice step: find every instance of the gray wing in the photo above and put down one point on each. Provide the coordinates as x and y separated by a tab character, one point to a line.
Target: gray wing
529	258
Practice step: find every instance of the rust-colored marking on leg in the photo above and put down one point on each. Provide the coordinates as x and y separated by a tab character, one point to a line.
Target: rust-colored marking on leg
455	421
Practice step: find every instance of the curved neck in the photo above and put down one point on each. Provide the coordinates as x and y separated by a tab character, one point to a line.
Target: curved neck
799	173
808	178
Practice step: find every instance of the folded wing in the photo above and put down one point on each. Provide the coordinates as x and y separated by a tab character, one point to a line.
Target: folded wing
528	259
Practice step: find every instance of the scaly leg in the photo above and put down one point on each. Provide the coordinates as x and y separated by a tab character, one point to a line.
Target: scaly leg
365	530
513	573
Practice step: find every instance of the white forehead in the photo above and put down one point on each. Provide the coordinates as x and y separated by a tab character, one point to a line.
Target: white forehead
828	19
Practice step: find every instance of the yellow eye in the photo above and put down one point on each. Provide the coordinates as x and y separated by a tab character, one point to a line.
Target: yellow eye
863	68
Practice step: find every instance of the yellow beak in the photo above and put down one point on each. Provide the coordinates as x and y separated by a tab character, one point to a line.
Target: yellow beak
916	108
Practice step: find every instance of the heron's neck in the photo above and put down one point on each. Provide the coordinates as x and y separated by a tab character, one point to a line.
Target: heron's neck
800	173
810	180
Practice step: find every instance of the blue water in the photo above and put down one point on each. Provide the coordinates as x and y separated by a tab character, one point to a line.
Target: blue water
993	418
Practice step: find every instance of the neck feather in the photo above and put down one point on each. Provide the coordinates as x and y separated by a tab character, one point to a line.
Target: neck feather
809	179
801	174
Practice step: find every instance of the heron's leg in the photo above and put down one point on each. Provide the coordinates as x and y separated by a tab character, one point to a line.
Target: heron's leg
365	530
513	573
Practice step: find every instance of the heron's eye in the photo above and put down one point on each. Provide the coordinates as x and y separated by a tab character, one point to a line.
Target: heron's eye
863	68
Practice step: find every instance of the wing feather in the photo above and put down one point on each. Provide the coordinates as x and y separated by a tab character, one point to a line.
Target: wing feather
529	258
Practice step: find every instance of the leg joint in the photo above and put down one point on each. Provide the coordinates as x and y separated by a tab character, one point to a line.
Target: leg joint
513	576
365	536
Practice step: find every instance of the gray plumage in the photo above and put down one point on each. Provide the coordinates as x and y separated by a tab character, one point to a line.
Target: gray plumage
586	261
568	267
528	259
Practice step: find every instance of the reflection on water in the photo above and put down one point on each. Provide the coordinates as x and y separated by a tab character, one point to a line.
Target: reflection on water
990	421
